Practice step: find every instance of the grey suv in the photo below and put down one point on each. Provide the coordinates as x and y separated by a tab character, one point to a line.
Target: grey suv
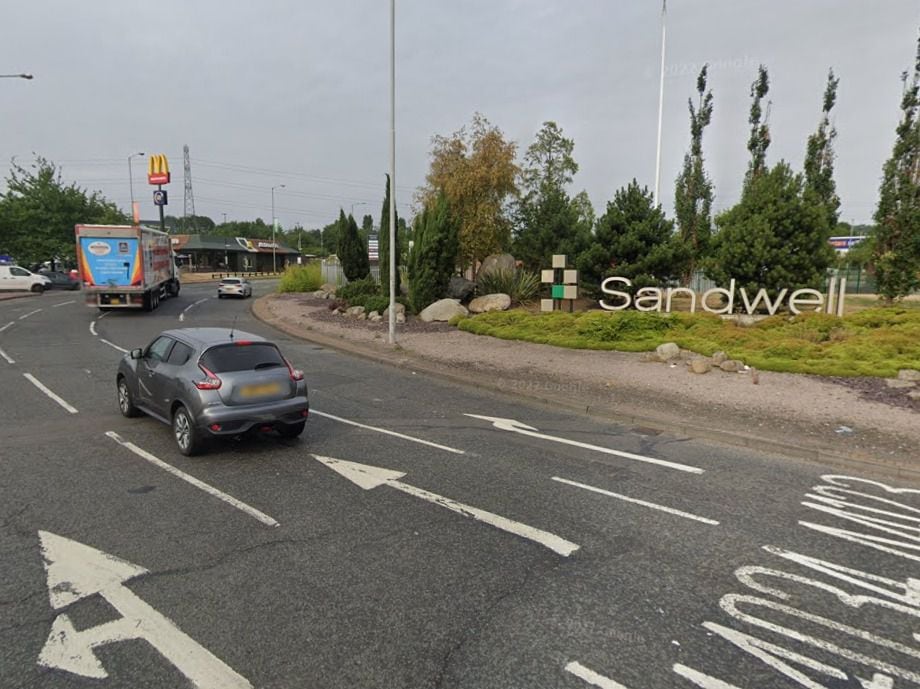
212	382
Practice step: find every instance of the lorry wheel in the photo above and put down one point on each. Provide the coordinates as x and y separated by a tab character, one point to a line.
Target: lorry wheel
148	301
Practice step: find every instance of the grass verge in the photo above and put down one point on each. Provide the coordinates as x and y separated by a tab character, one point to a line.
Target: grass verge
872	342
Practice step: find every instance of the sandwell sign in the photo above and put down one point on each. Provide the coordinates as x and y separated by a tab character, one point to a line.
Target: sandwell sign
660	299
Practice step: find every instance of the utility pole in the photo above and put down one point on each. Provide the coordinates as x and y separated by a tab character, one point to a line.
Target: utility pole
664	13
274	224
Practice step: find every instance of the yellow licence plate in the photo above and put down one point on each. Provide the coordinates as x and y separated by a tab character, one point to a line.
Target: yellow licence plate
114	301
260	390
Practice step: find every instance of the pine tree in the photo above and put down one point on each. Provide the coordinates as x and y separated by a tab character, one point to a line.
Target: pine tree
433	258
896	257
352	249
759	140
384	244
635	240
819	157
693	192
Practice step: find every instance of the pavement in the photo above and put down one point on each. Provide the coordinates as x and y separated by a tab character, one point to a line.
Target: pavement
790	424
485	541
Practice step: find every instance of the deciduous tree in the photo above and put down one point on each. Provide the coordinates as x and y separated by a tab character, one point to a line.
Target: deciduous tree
819	157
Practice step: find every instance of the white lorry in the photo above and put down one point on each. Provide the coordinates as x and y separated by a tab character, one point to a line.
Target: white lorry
125	266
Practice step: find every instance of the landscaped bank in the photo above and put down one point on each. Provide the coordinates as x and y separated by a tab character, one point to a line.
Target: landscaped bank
872	342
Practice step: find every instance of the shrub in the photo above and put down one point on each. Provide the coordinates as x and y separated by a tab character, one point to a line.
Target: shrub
357	290
521	285
376	302
308	278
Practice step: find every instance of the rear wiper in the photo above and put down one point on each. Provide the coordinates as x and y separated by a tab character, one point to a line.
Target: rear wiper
267	364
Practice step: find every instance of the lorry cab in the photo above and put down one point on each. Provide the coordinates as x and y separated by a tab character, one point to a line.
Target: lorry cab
16	278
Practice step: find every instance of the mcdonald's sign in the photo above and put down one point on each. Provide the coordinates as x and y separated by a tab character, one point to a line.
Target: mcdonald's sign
157	169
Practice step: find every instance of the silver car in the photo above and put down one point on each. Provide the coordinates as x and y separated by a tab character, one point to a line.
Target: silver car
234	287
213	382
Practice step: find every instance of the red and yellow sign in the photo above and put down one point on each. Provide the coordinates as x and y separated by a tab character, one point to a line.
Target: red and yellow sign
157	169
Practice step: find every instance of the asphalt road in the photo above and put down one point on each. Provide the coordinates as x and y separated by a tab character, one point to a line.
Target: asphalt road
563	553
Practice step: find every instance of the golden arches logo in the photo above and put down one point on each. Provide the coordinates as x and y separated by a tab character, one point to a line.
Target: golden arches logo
158	169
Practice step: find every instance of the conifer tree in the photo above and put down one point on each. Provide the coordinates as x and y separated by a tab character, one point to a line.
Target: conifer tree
433	258
693	192
819	157
352	249
383	242
759	140
896	257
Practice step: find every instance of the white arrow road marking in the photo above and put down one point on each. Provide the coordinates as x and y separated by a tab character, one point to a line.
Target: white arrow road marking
592	677
76	571
6	326
386	431
368	477
64	303
210	490
37	383
112	344
7	357
523	429
182	315
31	313
644	503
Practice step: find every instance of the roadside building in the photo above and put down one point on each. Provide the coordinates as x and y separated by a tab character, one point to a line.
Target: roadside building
201	253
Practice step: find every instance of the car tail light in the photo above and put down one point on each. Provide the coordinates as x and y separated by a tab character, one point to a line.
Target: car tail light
212	382
305	413
243	343
296	374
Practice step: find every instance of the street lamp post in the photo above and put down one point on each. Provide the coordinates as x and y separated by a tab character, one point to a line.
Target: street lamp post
357	203
16	76
391	326
131	184
274	222
664	15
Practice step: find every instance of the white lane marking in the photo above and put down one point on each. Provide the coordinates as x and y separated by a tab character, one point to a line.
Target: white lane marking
112	344
92	328
76	571
369	477
182	315
103	315
700	679
518	427
7	357
592	677
210	490
64	303
37	383
6	326
386	431
644	503
31	313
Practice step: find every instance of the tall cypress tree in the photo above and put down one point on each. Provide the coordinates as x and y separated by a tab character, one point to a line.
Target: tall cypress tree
759	140
693	192
434	253
384	244
896	257
819	158
352	249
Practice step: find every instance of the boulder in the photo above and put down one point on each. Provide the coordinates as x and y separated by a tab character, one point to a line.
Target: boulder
700	365
319	294
399	309
400	317
898	384
496	262
374	316
914	395
461	288
731	365
718	358
328	288
355	312
490	302
443	310
667	351
909	374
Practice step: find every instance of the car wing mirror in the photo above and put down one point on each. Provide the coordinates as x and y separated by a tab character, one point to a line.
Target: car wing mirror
137	353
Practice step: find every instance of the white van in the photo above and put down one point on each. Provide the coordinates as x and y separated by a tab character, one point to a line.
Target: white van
22	280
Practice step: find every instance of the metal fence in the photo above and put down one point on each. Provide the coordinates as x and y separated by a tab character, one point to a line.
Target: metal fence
334	275
859	281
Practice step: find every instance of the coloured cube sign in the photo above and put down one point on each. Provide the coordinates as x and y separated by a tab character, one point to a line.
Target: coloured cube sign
563	285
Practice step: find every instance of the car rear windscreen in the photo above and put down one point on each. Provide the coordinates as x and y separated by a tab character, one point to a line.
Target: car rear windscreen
242	357
229	282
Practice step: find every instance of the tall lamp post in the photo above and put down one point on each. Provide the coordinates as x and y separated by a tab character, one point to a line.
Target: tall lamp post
357	203
274	222
664	15
391	338
131	184
16	76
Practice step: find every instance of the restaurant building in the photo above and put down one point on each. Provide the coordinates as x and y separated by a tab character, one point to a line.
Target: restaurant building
202	253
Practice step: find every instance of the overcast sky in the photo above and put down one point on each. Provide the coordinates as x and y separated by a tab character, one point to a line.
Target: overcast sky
295	92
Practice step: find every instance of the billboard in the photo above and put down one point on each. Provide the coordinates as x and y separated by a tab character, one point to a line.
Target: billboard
110	261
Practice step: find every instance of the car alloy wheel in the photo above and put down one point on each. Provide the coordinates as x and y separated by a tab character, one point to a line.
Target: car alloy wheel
182	429
125	404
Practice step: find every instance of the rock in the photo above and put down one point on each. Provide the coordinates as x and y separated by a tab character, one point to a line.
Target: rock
461	288
650	357
700	365
898	383
320	294
667	351
731	365
718	358
490	302
328	288
400	309
909	374
400	317
443	310
914	395
355	312
374	316
496	262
